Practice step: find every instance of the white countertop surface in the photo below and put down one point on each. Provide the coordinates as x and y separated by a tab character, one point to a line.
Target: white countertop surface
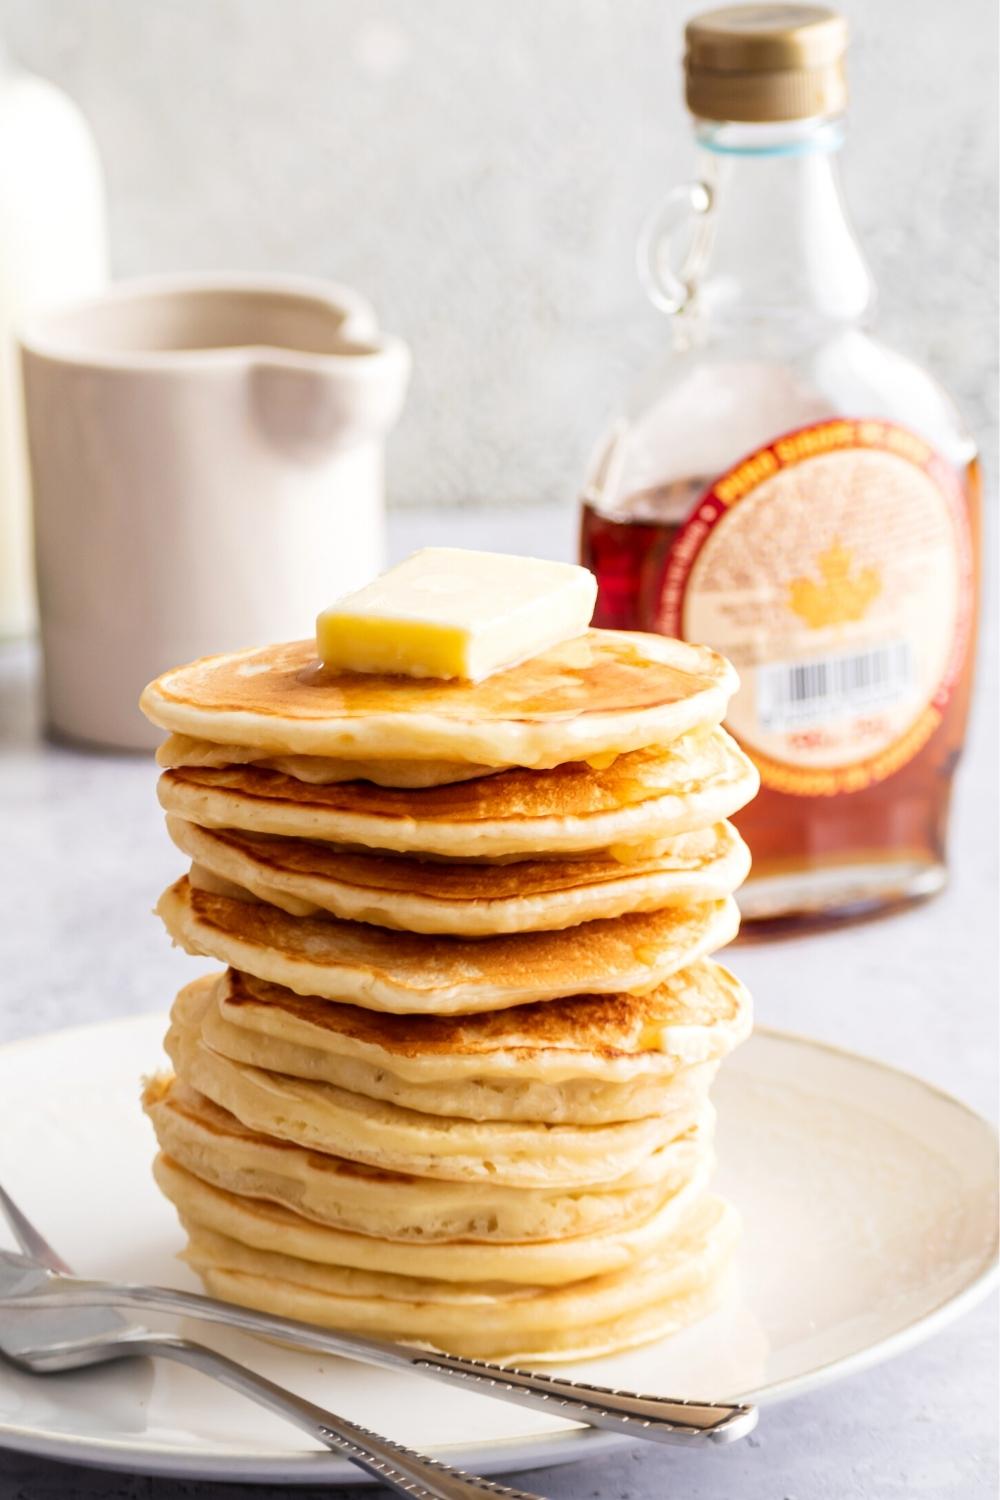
83	857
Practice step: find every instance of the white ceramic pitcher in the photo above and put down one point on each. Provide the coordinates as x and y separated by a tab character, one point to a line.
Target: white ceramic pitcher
206	458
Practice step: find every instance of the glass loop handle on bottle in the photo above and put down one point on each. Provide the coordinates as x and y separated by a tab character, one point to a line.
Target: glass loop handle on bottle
666	286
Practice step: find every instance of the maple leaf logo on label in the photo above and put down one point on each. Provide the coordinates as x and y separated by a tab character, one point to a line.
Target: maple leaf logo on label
842	596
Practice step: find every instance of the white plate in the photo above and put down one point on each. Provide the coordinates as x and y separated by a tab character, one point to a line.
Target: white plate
869	1205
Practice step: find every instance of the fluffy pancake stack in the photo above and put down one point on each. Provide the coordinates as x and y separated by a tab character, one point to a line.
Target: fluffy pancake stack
452	1084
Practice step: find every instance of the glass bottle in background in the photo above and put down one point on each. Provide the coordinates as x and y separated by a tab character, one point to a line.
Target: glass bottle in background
53	248
793	492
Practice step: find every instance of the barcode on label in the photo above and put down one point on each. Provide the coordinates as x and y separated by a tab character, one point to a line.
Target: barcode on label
791	694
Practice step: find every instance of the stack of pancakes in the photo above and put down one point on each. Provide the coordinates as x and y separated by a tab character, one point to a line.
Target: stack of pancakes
452	1086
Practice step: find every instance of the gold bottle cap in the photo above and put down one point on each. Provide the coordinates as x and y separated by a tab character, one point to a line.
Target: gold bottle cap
756	63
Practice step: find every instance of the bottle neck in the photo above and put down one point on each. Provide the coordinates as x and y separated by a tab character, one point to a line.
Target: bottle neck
776	246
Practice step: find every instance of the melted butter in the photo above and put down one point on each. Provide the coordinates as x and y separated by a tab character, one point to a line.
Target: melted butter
648	954
599	672
602	762
641	853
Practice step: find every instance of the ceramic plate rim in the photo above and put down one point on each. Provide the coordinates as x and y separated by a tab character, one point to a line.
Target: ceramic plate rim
488	1455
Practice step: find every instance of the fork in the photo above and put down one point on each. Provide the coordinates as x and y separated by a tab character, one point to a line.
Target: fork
659	1419
59	1337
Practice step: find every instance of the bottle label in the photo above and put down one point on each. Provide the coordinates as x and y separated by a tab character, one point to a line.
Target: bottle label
834	569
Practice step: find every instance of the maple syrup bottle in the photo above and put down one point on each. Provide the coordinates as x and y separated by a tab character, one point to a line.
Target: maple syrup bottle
788	489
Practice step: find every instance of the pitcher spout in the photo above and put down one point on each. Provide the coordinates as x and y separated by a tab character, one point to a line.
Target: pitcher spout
309	405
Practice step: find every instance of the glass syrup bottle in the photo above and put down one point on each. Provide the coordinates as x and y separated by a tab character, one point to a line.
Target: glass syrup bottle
794	493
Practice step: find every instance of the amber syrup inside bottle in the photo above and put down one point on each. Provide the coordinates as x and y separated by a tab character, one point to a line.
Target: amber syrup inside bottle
846	856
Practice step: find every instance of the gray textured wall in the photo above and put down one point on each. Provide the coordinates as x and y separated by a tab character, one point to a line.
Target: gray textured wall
480	167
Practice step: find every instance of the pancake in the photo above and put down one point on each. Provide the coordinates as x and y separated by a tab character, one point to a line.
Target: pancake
604	692
553	1262
639	798
583	1061
212	1145
324	1118
181	750
406	973
304	877
599	1315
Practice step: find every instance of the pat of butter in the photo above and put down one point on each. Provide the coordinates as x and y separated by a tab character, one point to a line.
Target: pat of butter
446	612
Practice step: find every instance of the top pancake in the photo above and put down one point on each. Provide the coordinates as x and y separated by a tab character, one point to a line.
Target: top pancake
603	693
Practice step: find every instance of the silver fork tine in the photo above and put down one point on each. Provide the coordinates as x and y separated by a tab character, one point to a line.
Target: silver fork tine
28	1237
